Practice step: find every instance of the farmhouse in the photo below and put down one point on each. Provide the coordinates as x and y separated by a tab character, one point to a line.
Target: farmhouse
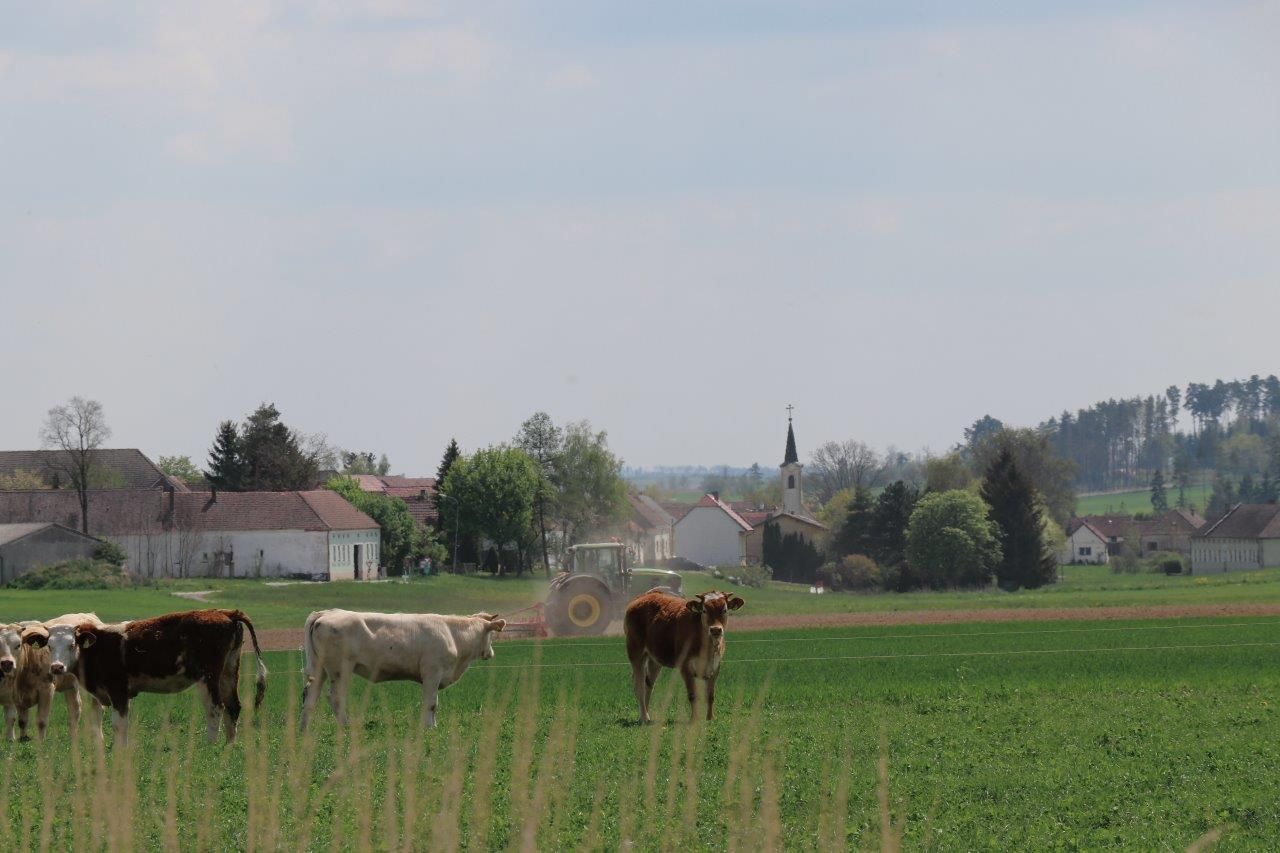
711	533
110	469
218	534
1085	543
1247	537
1170	531
24	547
417	493
649	530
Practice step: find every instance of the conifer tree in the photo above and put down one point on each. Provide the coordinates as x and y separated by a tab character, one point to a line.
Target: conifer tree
853	537
226	469
1012	505
889	520
1159	498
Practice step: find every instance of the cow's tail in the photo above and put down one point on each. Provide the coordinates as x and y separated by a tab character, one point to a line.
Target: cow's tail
309	649
260	691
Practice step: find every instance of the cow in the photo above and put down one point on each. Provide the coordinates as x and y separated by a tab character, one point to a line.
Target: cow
688	635
166	654
23	684
427	648
53	644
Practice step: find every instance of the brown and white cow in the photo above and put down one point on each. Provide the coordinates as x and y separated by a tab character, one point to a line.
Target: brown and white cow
167	654
427	648
52	645
688	635
23	683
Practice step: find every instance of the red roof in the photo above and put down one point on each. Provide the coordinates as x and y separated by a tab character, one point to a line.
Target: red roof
711	501
1246	521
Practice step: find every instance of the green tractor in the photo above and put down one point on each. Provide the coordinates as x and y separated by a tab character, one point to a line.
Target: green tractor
596	587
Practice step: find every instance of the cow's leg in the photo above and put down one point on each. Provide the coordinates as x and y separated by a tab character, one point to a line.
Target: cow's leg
639	682
10	717
72	698
229	688
338	694
24	715
97	721
430	697
711	694
690	687
311	694
651	671
44	704
120	709
212	713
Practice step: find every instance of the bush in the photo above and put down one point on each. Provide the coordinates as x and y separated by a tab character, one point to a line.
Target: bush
753	576
1166	562
855	572
76	574
109	552
901	578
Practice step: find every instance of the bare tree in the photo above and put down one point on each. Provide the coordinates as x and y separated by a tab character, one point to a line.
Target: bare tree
76	429
839	465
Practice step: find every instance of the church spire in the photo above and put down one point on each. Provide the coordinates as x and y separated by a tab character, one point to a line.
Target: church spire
791	455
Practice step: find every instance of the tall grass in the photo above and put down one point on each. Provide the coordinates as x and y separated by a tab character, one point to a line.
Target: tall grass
499	782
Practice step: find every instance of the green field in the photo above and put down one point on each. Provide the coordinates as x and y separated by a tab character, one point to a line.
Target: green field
287	606
1143	735
1138	500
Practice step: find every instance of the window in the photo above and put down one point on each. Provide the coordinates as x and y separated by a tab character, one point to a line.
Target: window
1086	551
791	481
1151	546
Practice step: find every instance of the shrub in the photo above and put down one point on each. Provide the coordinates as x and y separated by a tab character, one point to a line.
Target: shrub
753	576
855	572
76	574
1166	562
109	552
900	578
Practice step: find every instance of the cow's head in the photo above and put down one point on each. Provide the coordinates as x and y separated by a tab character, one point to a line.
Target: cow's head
10	647
492	625
713	608
64	643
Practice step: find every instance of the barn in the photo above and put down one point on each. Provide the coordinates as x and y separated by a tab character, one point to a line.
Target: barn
25	547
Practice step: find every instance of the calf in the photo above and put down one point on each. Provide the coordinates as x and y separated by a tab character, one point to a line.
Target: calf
168	654
665	630
53	646
432	650
23	684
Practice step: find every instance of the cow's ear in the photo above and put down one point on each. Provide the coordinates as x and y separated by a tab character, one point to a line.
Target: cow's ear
497	625
695	604
36	636
735	601
85	638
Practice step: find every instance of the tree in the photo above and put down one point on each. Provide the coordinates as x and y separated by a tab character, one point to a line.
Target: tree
543	442
982	429
791	557
1052	476
591	493
951	542
181	467
273	454
1159	497
404	542
1012	505
946	473
226	469
1221	499
853	536
363	462
75	430
22	480
889	519
838	465
493	491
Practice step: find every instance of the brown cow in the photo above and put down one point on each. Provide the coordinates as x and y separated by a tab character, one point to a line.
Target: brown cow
167	654
23	685
688	635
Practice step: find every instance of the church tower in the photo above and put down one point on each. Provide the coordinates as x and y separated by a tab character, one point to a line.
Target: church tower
792	475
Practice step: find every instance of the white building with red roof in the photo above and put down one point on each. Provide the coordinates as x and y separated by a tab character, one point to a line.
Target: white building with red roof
711	533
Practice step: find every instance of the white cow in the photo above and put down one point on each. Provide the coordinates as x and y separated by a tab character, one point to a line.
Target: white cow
55	641
432	650
23	684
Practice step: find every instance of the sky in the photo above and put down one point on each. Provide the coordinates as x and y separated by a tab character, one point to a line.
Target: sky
402	222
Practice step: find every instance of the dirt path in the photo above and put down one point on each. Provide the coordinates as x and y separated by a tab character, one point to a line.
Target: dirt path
290	639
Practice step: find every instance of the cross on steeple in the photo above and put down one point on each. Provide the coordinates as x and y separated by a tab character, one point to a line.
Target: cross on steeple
789	408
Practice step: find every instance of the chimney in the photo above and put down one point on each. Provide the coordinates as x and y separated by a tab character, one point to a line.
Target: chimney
214	492
715	495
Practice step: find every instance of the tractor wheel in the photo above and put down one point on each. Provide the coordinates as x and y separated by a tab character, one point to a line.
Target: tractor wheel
581	607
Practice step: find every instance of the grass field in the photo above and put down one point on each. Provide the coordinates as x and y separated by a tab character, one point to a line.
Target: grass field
1139	500
288	606
1013	736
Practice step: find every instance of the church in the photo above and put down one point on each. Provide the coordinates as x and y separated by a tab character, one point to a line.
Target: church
717	533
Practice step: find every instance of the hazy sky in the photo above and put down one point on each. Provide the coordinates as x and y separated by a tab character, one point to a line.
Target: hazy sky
404	221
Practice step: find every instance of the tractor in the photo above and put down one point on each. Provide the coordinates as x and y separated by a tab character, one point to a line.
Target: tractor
596	587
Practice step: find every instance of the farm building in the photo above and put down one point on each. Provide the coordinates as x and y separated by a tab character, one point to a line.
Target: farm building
1170	531
1247	537
417	493
218	534
1085	544
123	468
711	533
649	530
24	547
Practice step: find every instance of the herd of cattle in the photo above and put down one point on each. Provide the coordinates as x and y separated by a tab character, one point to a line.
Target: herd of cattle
168	654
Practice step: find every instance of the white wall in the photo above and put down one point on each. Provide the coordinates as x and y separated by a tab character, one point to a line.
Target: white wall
342	554
1214	556
708	536
253	553
1083	538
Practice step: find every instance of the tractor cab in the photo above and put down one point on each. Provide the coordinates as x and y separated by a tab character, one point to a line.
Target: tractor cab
597	584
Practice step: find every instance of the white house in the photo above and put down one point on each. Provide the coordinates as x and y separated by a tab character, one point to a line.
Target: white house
218	534
1247	537
712	534
1085	544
